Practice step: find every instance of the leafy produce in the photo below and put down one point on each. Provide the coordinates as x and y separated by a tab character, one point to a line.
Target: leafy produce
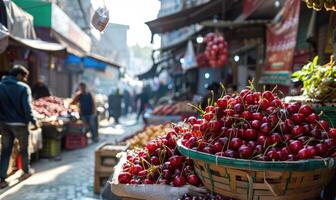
318	81
259	126
318	4
159	162
216	50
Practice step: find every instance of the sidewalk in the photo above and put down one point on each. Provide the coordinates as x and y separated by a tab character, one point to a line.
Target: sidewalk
72	176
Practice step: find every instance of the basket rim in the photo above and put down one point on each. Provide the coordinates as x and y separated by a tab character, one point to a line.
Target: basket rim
301	165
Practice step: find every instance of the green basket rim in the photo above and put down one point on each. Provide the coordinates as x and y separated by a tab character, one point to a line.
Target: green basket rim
302	165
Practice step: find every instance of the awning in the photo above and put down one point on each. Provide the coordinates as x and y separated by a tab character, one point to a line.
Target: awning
232	24
4	35
103	60
38	45
186	17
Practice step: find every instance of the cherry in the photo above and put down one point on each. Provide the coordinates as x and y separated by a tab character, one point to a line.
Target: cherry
244	93
293	108
148	181
305	110
297	118
263	140
166	174
245	151
235	143
217	147
273	155
135	169
249	99
238	108
292	157
289	123
155	160
265	128
258	149
322	149
268	95
151	147
312	118
193	180
277	103
124	177
209	109
257	116
252	144
222	103
275	138
297	130
256	124
304	154
231	154
312	151
249	134
208	150
324	125
208	116
264	104
176	161
332	133
295	146
192	120
179	181
247	115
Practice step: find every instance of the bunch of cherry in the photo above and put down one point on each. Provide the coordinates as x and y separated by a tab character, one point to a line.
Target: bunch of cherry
207	196
160	163
259	126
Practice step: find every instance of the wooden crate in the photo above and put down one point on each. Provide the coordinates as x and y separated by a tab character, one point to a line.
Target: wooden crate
100	178
105	157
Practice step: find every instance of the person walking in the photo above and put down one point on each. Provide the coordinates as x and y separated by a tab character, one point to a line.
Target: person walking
87	109
15	115
144	101
114	101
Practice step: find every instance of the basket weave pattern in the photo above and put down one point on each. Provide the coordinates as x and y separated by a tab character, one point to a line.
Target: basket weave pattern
262	185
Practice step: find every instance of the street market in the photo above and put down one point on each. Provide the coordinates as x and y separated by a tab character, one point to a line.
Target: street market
167	99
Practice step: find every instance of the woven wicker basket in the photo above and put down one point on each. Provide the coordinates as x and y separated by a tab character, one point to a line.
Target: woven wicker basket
249	179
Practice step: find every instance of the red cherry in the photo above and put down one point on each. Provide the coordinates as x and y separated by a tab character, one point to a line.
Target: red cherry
293	108
151	147
312	151
155	160
322	149
209	109
238	108
208	116
277	103
258	149
247	115
257	116
275	138
192	120
312	118
148	181
179	181
124	177
249	134
297	118
264	104
217	147
249	99
297	130
244	93
176	161
324	125
265	128
268	95
236	143
193	180
305	110
222	103
295	146
263	140
208	150
273	155
256	124
231	154
136	169
303	154
332	133
245	151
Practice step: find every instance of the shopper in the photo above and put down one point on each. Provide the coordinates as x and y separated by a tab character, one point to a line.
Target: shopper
15	115
144	101
114	101
127	102
87	109
40	90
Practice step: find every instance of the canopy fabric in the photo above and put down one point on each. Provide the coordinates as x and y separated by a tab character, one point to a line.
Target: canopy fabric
90	61
3	38
70	47
186	17
38	44
231	24
103	60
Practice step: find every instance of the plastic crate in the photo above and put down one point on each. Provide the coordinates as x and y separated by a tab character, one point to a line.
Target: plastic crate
75	141
76	127
51	148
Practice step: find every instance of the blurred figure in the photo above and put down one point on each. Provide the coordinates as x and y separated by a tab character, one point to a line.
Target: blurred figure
144	101
114	101
40	90
216	88
87	109
15	114
127	101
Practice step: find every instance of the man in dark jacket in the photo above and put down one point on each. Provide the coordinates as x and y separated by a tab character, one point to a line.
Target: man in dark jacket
15	115
87	109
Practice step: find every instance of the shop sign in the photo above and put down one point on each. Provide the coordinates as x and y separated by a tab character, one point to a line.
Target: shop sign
281	42
62	24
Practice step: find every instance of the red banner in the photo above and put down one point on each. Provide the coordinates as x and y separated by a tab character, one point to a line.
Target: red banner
281	42
250	6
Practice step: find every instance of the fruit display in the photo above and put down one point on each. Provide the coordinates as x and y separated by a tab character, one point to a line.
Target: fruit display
159	162
207	196
178	108
51	106
260	126
216	50
318	81
202	60
149	133
319	4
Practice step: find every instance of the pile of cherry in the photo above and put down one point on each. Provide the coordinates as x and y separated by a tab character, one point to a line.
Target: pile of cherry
159	163
216	51
259	126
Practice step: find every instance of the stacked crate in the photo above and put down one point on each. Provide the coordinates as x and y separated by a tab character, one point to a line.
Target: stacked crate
76	135
105	160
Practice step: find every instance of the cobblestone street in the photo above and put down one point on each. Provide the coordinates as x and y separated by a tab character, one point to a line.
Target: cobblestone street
71	176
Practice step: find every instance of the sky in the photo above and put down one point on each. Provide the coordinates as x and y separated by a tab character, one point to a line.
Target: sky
135	13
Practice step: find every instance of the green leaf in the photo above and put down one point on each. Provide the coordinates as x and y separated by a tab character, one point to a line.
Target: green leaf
315	60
